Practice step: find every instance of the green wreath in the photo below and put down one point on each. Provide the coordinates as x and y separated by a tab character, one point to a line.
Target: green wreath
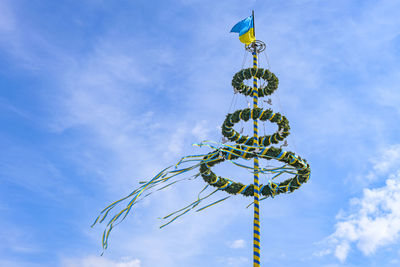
257	113
246	152
244	144
246	148
246	74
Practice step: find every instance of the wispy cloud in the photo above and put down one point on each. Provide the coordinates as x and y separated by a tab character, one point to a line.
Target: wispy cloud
234	261
97	261
17	240
374	219
119	106
7	20
240	243
384	164
375	222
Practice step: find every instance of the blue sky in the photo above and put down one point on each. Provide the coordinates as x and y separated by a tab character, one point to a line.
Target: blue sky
99	95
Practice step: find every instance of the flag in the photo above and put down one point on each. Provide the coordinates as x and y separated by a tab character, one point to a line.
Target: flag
245	28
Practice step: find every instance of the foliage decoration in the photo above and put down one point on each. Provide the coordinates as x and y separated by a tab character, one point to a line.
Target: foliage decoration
245	148
257	113
300	169
246	74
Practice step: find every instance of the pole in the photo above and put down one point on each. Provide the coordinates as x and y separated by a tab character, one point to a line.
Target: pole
256	228
254	25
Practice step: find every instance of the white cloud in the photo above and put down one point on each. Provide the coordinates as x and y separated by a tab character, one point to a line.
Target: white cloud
386	163
17	239
176	143
234	261
342	250
97	261
18	263
374	223
240	243
7	20
179	138
322	253
104	82
373	220
201	130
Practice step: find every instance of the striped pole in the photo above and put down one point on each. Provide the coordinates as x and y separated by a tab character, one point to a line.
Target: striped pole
256	228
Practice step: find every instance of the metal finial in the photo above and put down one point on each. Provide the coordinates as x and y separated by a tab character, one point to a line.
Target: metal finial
257	46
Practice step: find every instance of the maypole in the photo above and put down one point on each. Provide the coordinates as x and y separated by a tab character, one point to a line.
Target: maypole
256	221
244	147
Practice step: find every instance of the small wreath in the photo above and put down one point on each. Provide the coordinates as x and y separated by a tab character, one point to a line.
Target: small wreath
271	189
257	113
246	74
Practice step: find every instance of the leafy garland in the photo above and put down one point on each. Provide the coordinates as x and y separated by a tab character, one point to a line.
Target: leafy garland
244	148
244	144
248	152
257	113
246	74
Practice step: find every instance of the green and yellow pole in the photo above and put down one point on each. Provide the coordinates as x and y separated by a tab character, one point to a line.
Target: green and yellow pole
256	228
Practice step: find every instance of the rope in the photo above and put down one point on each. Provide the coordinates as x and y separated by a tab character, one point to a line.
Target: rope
279	102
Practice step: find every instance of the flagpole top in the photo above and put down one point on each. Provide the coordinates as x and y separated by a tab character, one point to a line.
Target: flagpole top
256	46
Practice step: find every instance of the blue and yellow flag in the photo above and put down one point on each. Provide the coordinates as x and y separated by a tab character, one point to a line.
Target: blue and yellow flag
245	28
